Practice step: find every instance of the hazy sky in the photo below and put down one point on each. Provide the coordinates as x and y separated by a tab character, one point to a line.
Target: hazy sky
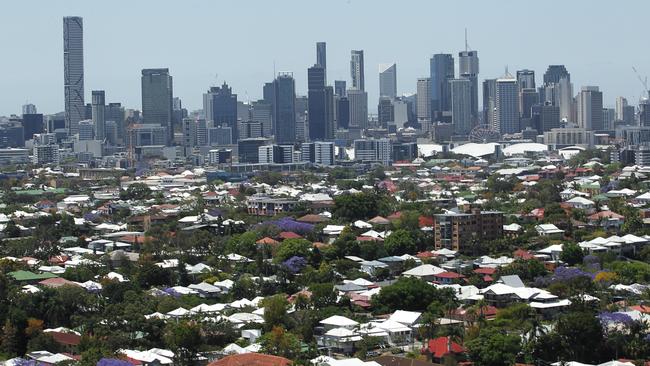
239	40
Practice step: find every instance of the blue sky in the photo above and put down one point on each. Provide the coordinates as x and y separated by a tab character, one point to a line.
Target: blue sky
598	41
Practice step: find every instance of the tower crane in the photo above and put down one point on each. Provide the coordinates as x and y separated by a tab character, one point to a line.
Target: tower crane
644	82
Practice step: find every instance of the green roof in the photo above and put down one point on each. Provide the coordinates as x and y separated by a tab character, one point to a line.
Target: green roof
38	192
31	276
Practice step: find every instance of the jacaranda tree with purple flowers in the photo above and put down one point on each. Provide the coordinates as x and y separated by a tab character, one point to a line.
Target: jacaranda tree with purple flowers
295	264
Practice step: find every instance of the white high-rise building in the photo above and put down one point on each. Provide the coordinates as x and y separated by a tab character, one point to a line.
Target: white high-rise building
318	152
423	101
388	80
621	103
506	113
461	105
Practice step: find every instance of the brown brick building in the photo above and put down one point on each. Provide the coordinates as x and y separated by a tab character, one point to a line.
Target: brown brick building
458	231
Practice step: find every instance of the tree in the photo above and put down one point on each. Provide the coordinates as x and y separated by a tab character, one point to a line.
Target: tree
571	254
279	342
137	191
184	340
411	294
527	270
581	334
275	311
360	206
494	347
292	248
400	242
322	295
11	230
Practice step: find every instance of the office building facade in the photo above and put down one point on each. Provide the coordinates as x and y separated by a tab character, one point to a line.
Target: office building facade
441	71
157	99
468	68
99	114
590	108
388	80
357	70
506	106
73	72
461	105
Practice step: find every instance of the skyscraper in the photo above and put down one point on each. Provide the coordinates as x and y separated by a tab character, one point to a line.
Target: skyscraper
320	105
388	80
220	108
356	70
489	100
621	103
461	105
506	112
98	114
423	101
468	69
321	56
73	72
558	89
528	97
157	96
358	102
556	72
590	108
545	117
442	70
526	79
339	88
29	109
285	108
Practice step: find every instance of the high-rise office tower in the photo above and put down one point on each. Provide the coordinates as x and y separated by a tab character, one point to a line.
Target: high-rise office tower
98	114
356	70
489	99
528	97
320	105
29	109
468	68
609	116
621	103
558	90
321	56
220	108
343	113
339	88
86	130
358	102
506	111
388	80
385	112
115	112
545	117
285	108
73	72
556	72
32	123
423	101
442	70
461	105
590	108
157	96
526	79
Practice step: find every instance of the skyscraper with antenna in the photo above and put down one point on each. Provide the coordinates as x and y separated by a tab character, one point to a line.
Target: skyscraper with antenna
468	69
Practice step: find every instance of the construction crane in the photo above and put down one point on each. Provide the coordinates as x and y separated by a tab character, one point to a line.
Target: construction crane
644	82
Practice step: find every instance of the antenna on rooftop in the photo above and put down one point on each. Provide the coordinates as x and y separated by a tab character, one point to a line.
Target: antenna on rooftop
466	44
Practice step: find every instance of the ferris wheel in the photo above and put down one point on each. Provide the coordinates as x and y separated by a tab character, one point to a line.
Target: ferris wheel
483	134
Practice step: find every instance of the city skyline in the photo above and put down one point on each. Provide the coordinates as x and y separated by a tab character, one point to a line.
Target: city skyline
253	62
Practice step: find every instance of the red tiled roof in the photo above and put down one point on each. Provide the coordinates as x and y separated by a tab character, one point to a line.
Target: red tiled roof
523	254
485	270
289	235
449	275
424	221
368	238
425	254
439	347
268	241
251	359
642	308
